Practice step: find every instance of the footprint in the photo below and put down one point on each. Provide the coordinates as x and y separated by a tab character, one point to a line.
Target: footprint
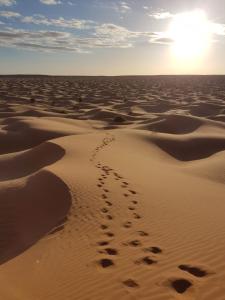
109	234
104	210
126	195
104	196
128	224
134	243
106	191
111	251
146	260
132	192
135	202
136	216
104	227
99	185
131	208
105	263
193	270
181	285
109	217
108	203
103	243
143	233
155	250
131	283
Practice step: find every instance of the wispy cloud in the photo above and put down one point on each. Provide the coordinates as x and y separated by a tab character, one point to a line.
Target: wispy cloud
103	36
9	14
50	2
7	2
60	22
161	15
124	7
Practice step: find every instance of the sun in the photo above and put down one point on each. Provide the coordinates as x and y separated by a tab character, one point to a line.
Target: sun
190	33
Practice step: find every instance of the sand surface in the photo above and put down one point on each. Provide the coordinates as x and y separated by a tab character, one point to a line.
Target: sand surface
112	188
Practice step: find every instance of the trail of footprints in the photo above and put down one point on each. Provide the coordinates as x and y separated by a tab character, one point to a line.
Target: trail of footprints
150	253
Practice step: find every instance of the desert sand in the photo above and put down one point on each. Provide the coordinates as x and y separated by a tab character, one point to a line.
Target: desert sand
112	188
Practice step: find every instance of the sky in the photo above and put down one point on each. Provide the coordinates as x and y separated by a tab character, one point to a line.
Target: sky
112	37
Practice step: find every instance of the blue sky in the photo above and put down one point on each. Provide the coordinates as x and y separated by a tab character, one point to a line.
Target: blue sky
108	37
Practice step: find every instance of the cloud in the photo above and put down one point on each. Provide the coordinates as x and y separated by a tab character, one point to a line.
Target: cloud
60	22
218	29
50	2
103	36
161	40
161	15
124	7
37	40
7	2
9	14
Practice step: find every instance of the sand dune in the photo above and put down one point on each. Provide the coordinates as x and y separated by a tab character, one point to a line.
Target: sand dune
112	188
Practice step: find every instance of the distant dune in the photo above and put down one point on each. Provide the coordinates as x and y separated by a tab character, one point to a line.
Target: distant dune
112	188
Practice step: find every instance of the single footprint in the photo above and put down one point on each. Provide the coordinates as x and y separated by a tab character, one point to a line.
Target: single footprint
132	192
106	191
103	243
136	216
126	195
109	234
108	203
181	285
104	210
128	224
109	217
131	283
104	196
193	270
142	233
104	227
134	243
111	251
105	263
131	208
146	260
155	250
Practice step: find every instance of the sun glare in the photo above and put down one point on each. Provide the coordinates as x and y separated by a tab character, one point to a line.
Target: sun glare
190	32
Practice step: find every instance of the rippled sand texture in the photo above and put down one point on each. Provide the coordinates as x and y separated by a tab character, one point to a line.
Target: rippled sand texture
112	188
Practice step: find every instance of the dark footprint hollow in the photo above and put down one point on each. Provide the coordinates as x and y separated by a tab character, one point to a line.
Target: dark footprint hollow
103	243
142	233
109	234
131	283
181	285
104	227
105	263
111	251
133	192
193	270
127	224
134	243
155	250
146	261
